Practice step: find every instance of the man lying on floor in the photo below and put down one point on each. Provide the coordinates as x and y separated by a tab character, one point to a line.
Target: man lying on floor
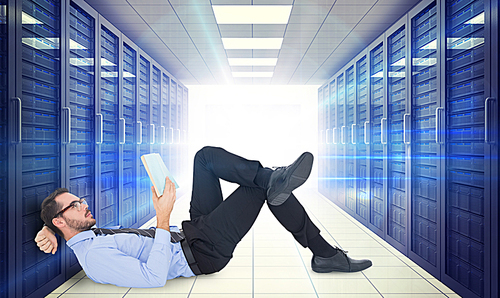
148	258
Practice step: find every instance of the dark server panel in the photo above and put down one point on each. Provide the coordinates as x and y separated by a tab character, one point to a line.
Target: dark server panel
41	169
155	109
81	101
129	100
331	171
396	147
359	139
350	154
341	150
173	121
465	161
425	148
4	219
377	102
108	201
165	118
143	204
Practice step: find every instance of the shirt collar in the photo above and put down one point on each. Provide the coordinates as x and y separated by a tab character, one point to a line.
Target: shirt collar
81	237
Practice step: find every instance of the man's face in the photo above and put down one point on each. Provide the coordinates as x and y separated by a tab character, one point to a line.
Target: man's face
79	220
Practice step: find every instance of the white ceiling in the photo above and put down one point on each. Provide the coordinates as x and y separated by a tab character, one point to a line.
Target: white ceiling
321	36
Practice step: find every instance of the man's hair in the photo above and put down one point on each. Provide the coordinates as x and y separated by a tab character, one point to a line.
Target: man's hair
50	208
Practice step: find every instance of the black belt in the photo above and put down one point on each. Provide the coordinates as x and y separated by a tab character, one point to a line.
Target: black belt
189	257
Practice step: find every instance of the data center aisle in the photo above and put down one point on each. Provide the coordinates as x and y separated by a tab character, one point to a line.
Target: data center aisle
269	263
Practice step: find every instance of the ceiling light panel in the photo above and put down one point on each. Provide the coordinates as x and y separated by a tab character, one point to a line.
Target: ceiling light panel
253	61
252	43
252	14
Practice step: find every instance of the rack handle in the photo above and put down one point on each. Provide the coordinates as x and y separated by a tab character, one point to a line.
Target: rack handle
439	125
383	128
367	124
163	134
122	131
67	113
342	134
152	134
487	119
18	134
99	128
353	135
406	129
139	132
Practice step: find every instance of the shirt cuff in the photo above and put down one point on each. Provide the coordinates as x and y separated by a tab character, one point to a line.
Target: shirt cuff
162	236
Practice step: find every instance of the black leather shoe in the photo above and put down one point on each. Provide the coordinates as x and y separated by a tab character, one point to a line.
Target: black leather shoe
285	179
339	262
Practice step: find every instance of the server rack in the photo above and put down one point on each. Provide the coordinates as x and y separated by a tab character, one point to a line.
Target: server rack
427	112
37	161
6	235
434	141
350	166
110	149
395	134
359	139
130	148
469	147
377	112
342	140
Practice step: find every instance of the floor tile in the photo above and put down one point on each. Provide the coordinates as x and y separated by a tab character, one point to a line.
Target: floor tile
343	286
174	286
280	272
87	286
404	286
223	286
283	286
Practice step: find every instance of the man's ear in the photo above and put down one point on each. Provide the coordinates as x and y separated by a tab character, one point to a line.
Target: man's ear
59	222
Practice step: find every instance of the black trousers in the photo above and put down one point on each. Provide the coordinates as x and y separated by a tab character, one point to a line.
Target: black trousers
217	225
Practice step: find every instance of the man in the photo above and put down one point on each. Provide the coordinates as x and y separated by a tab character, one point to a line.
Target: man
215	228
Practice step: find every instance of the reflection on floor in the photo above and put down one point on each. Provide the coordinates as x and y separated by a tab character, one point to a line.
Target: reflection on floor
269	263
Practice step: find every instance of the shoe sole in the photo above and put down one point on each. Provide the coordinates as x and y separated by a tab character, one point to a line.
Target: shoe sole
299	175
328	270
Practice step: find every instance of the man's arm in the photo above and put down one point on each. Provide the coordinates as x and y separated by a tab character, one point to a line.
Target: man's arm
46	240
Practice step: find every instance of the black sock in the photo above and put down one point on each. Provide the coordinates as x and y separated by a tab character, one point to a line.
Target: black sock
321	248
262	177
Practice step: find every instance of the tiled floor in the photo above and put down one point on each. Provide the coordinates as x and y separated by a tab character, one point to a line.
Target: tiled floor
269	263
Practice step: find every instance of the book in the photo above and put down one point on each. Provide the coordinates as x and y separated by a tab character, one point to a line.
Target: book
157	171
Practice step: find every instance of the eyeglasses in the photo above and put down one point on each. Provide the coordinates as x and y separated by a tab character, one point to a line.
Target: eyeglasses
75	204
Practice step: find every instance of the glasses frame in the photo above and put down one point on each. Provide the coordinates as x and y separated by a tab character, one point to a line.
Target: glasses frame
72	204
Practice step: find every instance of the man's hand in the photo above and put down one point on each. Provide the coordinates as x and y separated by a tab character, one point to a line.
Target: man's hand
46	240
164	204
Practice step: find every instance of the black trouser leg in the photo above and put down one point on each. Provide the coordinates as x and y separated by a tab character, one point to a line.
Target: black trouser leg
217	225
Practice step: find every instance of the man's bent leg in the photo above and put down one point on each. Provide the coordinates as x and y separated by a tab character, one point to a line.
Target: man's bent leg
212	164
213	237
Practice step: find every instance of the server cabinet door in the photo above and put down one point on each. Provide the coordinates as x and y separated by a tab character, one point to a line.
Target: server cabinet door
80	98
359	141
165	115
144	202
350	156
130	148
38	159
396	138
425	146
330	118
375	138
156	108
107	207
468	197
341	150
